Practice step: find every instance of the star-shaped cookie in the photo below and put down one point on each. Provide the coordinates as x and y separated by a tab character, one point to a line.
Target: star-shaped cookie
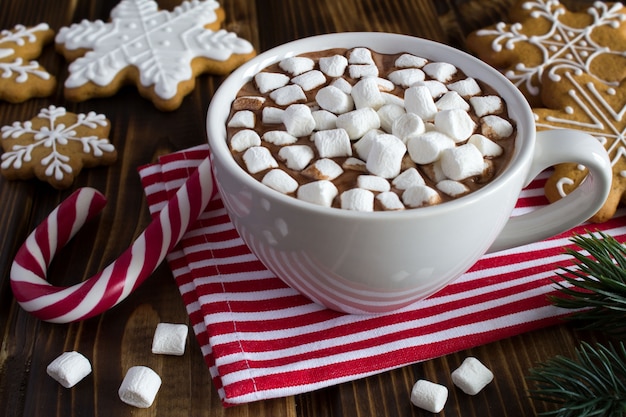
545	36
578	100
159	51
21	77
55	145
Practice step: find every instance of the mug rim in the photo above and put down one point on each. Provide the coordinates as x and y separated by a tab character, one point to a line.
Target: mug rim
518	108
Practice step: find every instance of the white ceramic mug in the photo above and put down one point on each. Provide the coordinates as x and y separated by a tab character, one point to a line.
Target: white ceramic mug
380	261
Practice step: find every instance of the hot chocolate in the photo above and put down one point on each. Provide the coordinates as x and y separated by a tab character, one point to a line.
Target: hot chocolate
360	130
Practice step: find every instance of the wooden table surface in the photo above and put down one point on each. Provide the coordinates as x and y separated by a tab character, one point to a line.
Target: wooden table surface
122	336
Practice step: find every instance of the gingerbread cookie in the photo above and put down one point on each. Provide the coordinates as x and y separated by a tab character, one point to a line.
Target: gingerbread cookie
22	78
545	36
159	51
55	145
578	100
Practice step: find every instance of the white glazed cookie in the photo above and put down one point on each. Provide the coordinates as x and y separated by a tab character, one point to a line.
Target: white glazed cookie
55	145
161	52
22	78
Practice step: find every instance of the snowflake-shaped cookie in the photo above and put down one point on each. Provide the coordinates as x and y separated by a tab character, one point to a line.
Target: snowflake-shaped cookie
577	100
55	145
20	77
160	51
548	37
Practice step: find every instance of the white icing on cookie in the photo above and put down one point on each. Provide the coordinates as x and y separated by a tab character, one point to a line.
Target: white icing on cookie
159	43
20	36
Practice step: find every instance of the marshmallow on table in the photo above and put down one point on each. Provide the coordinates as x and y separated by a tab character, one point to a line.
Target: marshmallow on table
388	114
462	162
427	147
390	201
258	158
139	387
409	60
495	127
296	157
279	180
385	156
333	66
309	80
242	118
279	137
410	177
170	339
332	143
407	77
358	122
269	81
440	71
334	100
357	199
296	65
288	94
366	93
69	368
323	169
472	376
321	192
407	125
244	139
429	396
298	120
418	100
455	123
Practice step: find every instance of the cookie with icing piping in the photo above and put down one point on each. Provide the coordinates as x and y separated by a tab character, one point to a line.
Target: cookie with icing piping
21	77
579	100
544	36
160	51
55	145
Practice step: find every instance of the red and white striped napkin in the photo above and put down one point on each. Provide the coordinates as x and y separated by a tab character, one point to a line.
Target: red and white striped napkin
262	339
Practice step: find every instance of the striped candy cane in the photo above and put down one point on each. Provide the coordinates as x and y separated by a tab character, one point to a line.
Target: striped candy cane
106	289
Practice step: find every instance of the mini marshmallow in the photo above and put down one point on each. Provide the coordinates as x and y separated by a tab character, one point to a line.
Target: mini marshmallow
258	158
360	71
452	188
358	122
440	71
334	100
387	114
309	80
408	178
495	127
384	85
452	100
385	156
244	139
373	183
484	105
298	120
418	100
248	103
407	77
272	115
279	137
357	199
242	118
390	201
269	81
363	145
407	126
323	169
409	60
365	93
420	195
343	85
360	56
472	376
462	162
455	123
296	157
69	368
332	143
139	387
434	172
333	66
280	181
296	65
436	88
321	192
170	339
466	88
288	94
393	99
427	147
429	396
485	145
324	119
354	164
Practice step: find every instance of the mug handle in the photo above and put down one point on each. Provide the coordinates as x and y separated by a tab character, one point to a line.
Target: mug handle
555	147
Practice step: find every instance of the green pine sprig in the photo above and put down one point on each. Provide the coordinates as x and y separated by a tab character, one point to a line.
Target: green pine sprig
592	384
596	285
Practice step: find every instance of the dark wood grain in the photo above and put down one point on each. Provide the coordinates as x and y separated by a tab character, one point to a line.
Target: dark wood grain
122	336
